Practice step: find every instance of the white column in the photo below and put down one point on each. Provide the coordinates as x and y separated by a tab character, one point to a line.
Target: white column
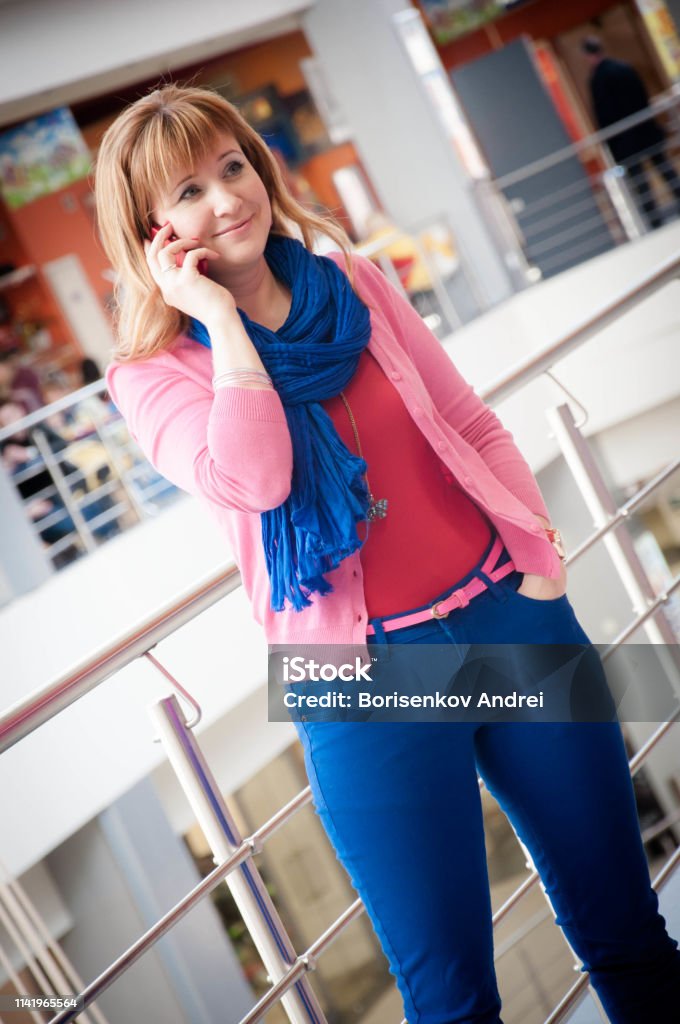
396	129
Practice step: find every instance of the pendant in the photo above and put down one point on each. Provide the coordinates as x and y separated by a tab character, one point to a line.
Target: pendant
376	509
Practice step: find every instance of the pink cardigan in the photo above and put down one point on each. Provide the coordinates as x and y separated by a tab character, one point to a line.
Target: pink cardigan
232	449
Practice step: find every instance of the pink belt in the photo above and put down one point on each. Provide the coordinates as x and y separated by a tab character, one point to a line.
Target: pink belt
457	599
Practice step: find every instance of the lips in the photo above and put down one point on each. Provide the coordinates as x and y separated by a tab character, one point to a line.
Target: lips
234	227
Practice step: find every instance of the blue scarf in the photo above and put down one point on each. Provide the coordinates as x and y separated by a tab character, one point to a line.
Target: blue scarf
312	357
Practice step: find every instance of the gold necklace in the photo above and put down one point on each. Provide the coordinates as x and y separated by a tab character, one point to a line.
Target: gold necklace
377	509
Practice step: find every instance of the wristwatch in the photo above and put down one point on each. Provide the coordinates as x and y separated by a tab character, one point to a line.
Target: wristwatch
555	538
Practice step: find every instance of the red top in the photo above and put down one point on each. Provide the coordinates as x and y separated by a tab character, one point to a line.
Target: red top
433	533
232	449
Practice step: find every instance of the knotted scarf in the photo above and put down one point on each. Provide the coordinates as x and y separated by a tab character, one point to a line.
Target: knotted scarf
312	357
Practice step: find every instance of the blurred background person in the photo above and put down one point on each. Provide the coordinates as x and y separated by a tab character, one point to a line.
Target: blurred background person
617	91
20	454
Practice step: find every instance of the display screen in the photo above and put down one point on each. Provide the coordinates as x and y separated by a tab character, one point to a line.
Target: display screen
449	19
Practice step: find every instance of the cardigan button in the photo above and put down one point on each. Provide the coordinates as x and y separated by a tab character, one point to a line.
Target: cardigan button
417	411
442	446
535	528
395	375
468	481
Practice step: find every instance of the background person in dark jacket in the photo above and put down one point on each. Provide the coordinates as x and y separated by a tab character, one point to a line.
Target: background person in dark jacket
617	91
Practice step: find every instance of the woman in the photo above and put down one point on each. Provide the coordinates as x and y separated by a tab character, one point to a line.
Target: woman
258	384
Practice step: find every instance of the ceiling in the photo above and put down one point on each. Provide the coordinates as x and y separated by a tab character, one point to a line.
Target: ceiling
77	81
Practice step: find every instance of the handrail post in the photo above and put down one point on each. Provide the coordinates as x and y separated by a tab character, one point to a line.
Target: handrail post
71	505
441	294
116	461
618	190
619	544
250	894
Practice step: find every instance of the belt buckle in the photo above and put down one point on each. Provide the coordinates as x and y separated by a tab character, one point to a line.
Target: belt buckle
459	596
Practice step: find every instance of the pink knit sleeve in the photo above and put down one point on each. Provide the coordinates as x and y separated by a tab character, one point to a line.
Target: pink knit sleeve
453	397
232	446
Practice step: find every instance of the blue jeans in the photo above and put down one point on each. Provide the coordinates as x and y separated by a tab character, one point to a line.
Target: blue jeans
401	805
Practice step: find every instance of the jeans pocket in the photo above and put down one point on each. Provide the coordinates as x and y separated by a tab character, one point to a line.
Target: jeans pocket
513	581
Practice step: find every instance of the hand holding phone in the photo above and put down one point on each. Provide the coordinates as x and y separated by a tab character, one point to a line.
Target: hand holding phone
197	295
181	256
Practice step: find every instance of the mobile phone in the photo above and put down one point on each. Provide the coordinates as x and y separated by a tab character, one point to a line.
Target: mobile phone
202	264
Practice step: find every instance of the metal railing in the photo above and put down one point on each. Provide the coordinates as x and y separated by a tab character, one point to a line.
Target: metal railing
82	478
578	202
427	264
41	706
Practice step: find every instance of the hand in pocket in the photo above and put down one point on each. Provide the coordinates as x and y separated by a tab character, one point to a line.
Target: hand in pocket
540	588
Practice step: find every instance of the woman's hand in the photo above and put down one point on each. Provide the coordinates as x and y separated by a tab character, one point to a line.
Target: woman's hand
185	287
543	589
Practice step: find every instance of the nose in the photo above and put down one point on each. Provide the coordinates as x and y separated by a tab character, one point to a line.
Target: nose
225	202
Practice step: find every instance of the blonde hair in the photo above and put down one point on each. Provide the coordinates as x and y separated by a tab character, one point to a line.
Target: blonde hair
172	127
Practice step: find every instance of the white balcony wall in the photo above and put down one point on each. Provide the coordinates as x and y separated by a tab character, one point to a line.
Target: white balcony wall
629	369
56	780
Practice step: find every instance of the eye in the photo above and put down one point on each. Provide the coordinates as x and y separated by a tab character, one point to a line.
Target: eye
233	168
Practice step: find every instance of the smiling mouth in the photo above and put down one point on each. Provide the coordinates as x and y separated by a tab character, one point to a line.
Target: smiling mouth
234	227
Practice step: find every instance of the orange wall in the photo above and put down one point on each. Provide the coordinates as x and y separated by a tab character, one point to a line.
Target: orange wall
11	249
318	171
61	223
32	301
275	62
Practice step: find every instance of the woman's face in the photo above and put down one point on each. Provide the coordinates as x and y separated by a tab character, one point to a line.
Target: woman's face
221	201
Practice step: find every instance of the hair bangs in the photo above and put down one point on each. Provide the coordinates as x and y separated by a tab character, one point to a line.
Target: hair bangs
170	143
